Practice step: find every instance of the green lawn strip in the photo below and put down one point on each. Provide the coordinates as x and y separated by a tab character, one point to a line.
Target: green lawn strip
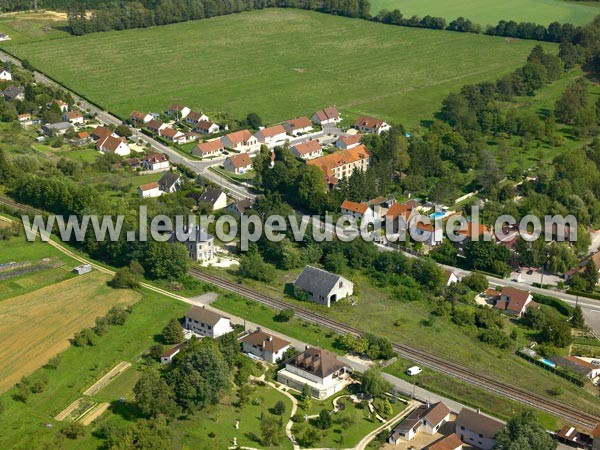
237	178
396	60
486	12
265	316
467	394
79	368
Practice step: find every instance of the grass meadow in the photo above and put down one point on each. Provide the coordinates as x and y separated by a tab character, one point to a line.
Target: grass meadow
488	12
279	63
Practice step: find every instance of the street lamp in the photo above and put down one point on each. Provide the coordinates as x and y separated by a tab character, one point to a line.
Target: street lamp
543	267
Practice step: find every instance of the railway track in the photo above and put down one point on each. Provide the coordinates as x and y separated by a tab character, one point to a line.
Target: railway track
19	206
568	413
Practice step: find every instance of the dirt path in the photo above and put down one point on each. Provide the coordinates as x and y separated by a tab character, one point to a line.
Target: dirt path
106	379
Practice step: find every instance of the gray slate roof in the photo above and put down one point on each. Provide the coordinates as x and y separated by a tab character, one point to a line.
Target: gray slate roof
203	315
169	179
316	280
196	234
210	195
11	92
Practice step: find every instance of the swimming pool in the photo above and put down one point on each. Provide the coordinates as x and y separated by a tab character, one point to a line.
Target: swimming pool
437	215
548	362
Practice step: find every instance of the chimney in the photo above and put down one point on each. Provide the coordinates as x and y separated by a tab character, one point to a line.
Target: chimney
478	411
270	338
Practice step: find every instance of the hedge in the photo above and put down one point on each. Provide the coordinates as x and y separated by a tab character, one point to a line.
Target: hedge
556	303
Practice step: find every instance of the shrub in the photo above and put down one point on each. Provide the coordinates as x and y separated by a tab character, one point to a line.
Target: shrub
73	431
279	408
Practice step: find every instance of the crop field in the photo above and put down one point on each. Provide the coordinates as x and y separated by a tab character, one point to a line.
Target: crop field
486	12
39	324
242	63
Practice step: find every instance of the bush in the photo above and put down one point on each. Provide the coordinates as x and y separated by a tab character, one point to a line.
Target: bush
73	431
285	315
172	333
323	421
279	408
53	363
84	338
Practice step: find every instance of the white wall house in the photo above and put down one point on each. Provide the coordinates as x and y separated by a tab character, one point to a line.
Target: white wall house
206	323
238	164
155	161
242	141
271	136
149	190
265	346
320	369
323	287
360	211
477	429
327	116
111	144
5	75
307	150
297	126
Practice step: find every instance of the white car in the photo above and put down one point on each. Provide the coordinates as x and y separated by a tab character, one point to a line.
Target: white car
414	370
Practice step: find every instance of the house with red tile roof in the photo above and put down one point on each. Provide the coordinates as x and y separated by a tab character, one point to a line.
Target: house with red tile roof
149	190
450	442
298	126
326	116
194	117
242	141
360	211
206	127
515	302
74	117
155	126
307	150
271	136
372	125
348	142
209	148
112	144
179	112
155	161
140	118
265	346
341	164
238	164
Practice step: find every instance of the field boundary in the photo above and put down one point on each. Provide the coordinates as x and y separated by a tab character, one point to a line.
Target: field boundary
108	378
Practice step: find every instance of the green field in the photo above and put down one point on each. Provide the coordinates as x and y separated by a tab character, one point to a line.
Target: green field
486	12
254	62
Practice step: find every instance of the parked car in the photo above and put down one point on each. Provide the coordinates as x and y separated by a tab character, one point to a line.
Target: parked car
414	370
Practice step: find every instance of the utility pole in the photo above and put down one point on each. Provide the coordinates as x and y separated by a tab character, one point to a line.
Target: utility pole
35	5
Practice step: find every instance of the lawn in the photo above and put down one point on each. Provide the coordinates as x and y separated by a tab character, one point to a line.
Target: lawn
219	421
485	12
79	368
40	323
360	66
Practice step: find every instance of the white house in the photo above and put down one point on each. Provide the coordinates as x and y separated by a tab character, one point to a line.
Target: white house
111	144
209	148
155	161
360	211
149	190
242	141
5	75
265	346
194	117
206	127
371	125
139	117
451	277
428	418
271	136
155	126
307	150
348	142
476	429
515	302
320	369
179	112
422	229
74	117
327	116
297	126
168	355
200	244
214	197
207	323
320	286
170	182
171	134
63	106
450	442
238	164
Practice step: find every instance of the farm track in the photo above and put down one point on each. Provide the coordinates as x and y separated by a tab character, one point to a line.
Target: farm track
568	413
